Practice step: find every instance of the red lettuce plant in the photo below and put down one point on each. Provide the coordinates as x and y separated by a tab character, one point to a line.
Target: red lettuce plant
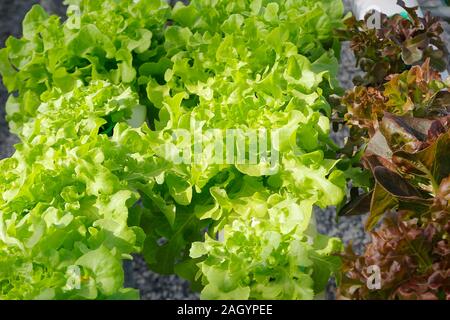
396	44
403	134
408	158
413	257
417	92
399	121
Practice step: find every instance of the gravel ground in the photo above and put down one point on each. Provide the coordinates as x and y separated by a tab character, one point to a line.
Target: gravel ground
151	285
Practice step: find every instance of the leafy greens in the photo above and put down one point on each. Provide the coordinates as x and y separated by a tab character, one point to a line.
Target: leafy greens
97	103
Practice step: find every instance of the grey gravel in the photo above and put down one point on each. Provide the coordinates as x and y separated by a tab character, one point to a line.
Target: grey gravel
151	285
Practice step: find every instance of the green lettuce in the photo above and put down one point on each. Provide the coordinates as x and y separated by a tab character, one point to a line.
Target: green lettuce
101	40
229	69
99	103
66	199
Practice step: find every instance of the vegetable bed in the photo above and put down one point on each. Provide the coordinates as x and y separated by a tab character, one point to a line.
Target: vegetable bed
121	113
